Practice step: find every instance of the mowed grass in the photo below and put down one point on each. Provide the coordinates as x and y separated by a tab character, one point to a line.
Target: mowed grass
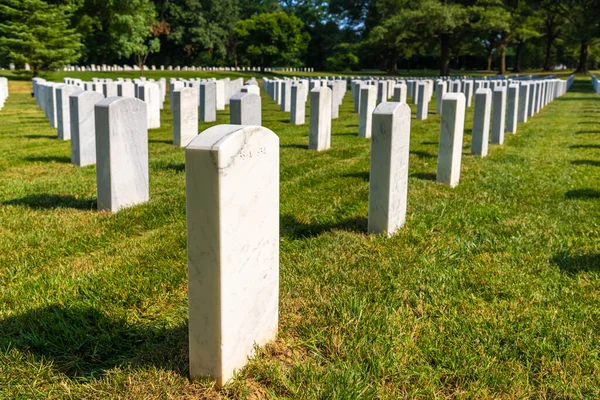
491	290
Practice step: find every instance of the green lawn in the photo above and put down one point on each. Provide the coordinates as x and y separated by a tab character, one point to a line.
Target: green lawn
491	290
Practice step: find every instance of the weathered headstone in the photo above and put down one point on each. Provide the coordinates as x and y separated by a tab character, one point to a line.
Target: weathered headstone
232	190
388	180
83	127
451	137
185	115
121	153
481	122
319	137
245	109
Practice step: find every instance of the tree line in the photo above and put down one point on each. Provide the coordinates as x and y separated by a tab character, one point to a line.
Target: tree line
336	35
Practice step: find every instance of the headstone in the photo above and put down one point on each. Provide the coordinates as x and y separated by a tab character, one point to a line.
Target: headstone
481	122
63	114
319	137
286	96
121	153
499	114
451	137
512	107
523	101
83	127
423	105
388	180
400	93
245	109
149	92
232	190
440	92
368	102
208	103
298	106
382	95
185	115
126	89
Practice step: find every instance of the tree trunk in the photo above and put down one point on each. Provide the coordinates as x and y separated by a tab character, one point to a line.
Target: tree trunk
548	56
489	61
583	57
393	62
502	54
445	55
518	52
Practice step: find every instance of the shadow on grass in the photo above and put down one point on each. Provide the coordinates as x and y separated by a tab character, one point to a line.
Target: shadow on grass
585	146
361	175
583	194
85	342
160	141
175	167
423	154
424	176
294	146
40	136
56	159
574	264
592	163
431	143
293	228
50	201
587	132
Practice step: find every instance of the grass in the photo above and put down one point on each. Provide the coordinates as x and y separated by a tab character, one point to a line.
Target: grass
489	291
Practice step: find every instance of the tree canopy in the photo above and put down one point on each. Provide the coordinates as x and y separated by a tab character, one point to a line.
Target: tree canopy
323	34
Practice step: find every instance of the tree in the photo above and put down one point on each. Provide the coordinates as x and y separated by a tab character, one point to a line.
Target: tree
271	39
583	18
116	29
36	33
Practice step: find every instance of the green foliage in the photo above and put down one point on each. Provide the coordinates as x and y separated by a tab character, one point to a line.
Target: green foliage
116	29
271	39
344	58
34	32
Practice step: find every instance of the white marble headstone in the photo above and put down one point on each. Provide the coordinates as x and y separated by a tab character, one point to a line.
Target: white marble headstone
232	187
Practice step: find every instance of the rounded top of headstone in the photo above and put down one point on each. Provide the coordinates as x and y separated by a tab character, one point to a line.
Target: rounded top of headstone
121	101
391	107
84	94
454	96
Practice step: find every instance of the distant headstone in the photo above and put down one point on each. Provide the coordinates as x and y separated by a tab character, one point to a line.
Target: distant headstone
298	106
499	114
481	122
368	102
319	137
185	115
83	127
121	153
451	137
400	91
208	102
523	101
423	105
63	117
149	92
388	180
232	190
245	109
440	92
512	107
